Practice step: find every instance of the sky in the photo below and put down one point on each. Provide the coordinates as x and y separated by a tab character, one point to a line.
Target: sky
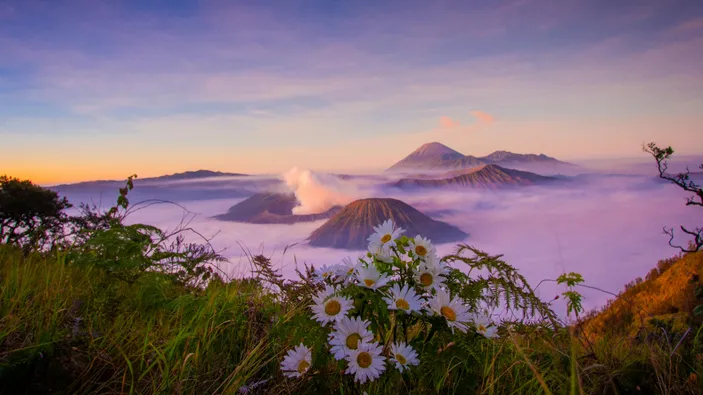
104	89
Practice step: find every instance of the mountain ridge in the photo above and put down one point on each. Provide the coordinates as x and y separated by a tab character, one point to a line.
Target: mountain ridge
193	174
437	156
507	156
489	176
186	175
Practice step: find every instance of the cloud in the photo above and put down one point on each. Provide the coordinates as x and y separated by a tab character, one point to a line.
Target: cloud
689	26
610	225
279	58
483	117
139	75
318	192
448	123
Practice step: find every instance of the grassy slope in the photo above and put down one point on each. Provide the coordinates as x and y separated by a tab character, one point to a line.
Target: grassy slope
70	329
64	325
669	295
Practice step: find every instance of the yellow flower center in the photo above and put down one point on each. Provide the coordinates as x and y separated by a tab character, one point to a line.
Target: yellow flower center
353	341
303	366
481	328
401	359
364	360
386	238
402	304
369	282
333	307
426	279
420	250
448	313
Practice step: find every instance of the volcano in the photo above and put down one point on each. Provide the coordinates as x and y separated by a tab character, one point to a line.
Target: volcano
271	208
436	156
482	177
351	227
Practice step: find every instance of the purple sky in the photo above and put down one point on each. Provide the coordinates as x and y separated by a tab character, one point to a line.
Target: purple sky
104	89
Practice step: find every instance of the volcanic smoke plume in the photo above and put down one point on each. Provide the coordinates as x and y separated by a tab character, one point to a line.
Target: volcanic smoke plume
318	192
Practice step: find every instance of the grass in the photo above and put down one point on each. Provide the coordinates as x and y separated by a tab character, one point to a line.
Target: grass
667	294
73	329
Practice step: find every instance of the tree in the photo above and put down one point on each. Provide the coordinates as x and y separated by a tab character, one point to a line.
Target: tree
30	216
683	180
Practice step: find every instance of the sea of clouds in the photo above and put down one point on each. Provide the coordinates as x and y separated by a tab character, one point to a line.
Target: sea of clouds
608	227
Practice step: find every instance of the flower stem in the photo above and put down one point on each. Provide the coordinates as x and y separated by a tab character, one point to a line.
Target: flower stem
405	327
431	334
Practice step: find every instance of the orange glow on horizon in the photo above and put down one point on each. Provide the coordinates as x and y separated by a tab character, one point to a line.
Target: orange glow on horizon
67	164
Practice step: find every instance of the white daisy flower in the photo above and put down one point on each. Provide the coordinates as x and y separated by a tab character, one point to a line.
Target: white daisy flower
348	335
381	252
484	326
297	361
422	247
430	273
403	299
326	272
385	234
366	362
452	310
328	307
370	277
346	269
404	356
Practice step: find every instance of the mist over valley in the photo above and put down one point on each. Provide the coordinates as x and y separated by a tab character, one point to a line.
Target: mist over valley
603	223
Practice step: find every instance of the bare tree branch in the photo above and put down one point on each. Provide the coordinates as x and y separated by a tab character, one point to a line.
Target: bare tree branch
682	180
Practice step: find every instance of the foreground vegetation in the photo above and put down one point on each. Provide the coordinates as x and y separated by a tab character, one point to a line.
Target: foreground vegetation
91	305
74	329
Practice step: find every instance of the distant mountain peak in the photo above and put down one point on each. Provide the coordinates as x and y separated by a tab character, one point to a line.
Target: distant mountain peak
437	156
436	148
432	154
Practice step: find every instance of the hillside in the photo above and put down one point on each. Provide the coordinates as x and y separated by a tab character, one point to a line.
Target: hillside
483	177
351	227
271	208
667	292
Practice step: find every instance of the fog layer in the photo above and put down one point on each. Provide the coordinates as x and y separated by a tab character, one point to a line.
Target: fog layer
608	228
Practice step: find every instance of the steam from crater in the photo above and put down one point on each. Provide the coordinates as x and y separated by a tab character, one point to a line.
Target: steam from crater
318	192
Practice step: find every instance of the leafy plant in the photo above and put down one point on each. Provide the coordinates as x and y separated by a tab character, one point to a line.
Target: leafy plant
127	252
573	298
